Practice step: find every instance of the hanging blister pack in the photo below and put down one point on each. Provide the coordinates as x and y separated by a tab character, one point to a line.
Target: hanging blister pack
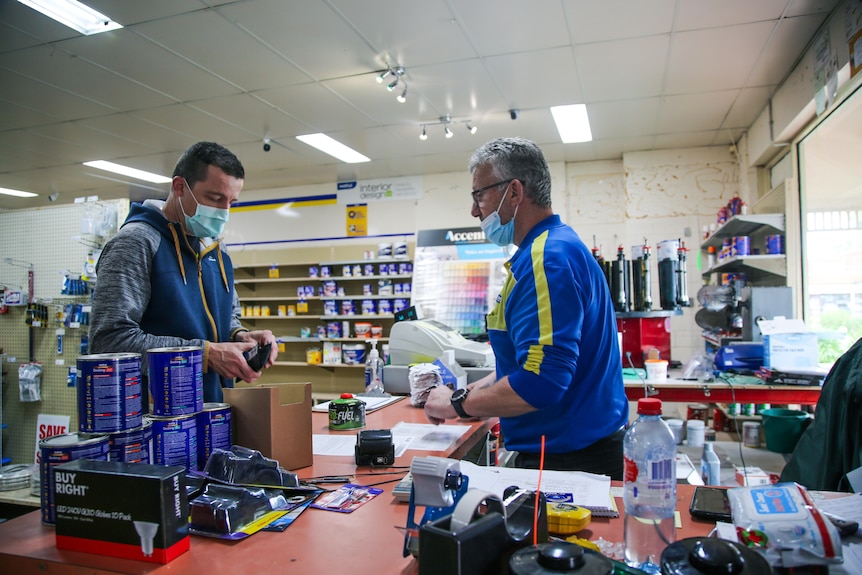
30	382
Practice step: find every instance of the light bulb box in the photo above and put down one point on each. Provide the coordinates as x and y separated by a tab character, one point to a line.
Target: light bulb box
274	419
128	510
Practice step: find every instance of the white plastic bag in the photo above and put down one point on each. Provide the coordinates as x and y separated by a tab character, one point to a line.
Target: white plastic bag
30	382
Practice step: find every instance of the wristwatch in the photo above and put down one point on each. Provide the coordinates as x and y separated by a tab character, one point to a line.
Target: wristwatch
457	400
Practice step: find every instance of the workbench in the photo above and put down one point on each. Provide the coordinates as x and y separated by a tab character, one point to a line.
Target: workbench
366	541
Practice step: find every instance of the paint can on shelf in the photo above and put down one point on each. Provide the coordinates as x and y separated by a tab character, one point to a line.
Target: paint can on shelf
214	430
54	451
176	380
133	445
109	392
175	441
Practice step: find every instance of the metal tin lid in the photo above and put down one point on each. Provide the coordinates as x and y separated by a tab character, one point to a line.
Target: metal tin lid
706	555
173	349
15	476
70	439
215	405
107	356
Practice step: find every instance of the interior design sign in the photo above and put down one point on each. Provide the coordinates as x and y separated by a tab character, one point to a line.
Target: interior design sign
385	190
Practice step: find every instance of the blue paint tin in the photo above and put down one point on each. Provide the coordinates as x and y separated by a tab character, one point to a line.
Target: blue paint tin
109	392
740	246
214	430
775	244
60	449
133	445
176	380
175	441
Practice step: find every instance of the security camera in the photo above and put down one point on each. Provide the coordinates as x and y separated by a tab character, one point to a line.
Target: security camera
513	113
53	197
266	146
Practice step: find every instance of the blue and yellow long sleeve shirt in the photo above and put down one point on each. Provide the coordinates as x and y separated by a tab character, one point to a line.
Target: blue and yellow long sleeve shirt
554	334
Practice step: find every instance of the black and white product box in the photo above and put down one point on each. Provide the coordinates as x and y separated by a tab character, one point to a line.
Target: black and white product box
128	510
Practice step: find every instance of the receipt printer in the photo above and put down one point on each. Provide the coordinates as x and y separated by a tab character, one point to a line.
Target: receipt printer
375	447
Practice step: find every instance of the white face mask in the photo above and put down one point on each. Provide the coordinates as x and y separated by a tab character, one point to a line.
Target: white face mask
495	232
207	221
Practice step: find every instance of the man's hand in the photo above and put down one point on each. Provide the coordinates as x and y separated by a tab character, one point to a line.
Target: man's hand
227	359
261	337
439	408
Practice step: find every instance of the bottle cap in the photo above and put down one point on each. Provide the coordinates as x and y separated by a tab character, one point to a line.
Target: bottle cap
649	406
346	396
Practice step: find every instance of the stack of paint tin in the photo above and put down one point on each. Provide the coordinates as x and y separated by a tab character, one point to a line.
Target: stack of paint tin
185	429
110	421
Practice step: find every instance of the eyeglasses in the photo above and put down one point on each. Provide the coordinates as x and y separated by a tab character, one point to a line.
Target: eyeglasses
477	194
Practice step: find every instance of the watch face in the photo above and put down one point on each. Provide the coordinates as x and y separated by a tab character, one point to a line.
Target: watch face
459	394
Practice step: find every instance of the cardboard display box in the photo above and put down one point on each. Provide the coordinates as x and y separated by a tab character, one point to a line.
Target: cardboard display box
274	419
128	510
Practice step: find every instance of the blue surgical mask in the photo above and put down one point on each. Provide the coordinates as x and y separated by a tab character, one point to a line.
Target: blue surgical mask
495	232
207	221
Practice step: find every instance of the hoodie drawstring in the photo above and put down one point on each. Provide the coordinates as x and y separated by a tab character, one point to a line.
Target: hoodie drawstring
179	254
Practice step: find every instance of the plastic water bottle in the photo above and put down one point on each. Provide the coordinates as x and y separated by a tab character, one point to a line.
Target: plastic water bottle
374	371
710	465
649	487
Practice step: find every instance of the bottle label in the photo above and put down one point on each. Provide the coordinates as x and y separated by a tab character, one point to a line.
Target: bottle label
630	470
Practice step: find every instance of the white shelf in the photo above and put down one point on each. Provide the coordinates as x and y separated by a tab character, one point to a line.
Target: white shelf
759	266
745	226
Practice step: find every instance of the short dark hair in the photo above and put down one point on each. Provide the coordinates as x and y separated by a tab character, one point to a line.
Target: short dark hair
517	159
195	162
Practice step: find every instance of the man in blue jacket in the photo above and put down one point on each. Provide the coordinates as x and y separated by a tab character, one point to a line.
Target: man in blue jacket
553	330
165	279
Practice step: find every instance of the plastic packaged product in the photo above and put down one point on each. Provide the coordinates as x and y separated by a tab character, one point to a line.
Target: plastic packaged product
649	487
782	523
710	465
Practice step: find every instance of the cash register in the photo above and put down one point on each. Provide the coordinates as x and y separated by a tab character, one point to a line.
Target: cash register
423	341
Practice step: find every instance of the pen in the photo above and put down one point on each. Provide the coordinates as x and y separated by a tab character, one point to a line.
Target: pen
327	479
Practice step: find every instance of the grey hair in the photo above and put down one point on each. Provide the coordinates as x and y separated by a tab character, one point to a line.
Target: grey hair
520	159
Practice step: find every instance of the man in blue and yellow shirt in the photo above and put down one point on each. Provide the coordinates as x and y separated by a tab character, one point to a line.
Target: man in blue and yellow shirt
553	330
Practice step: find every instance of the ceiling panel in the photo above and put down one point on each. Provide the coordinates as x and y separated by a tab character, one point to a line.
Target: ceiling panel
623	69
654	73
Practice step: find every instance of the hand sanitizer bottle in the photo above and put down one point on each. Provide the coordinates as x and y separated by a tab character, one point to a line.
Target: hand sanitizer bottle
374	371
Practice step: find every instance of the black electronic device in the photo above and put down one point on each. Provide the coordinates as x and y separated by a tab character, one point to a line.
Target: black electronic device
846	527
257	356
407	314
710	503
374	447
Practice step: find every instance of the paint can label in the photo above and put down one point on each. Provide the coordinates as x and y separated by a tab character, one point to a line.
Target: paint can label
176	380
214	430
175	441
109	392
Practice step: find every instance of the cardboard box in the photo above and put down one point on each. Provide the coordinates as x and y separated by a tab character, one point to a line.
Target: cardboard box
750	476
274	419
787	344
128	510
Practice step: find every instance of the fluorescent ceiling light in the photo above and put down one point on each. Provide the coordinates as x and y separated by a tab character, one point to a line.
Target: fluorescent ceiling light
17	193
334	148
572	123
73	14
127	171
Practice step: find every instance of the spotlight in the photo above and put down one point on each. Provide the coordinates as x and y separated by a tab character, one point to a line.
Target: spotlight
266	145
513	113
447	131
423	136
392	84
471	129
383	75
53	197
403	97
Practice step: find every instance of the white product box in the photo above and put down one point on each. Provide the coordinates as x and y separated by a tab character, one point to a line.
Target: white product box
787	344
750	476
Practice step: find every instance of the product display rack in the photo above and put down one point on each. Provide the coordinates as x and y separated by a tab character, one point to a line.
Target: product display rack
760	267
297	330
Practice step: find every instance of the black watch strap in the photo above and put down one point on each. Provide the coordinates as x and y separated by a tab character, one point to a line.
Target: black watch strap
457	402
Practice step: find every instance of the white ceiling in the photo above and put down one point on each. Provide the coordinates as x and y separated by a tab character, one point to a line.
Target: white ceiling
653	73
